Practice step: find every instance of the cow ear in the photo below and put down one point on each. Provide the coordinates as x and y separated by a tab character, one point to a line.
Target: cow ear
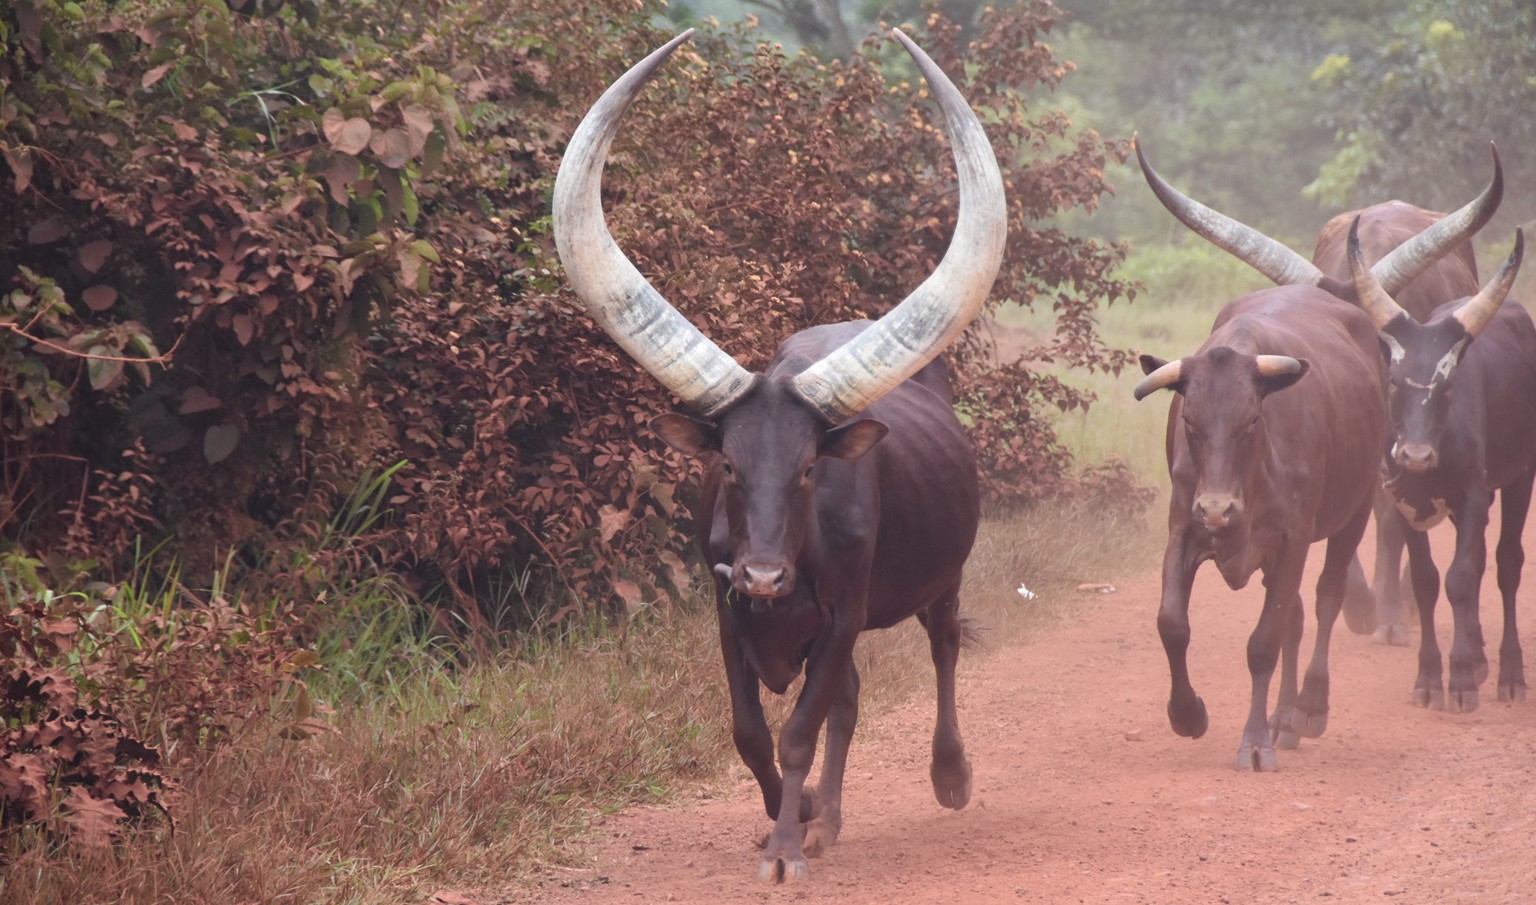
1270	383
689	436
849	441
1150	363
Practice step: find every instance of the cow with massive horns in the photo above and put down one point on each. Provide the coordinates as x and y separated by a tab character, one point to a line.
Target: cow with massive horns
1462	405
1421	257
842	493
1262	466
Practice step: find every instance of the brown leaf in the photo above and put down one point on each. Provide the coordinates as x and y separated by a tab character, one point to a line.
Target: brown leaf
352	136
629	592
20	160
155	75
391	147
195	399
418	125
244	327
91	820
99	297
48	229
611	520
331	124
341	174
94	254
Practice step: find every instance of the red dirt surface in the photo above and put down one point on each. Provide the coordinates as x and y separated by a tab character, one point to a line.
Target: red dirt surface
1082	793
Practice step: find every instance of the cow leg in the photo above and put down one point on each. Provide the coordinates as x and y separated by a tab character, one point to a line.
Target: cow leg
1311	718
824	828
1509	558
1186	711
826	678
749	728
1391	617
950	771
1282	730
1461	589
1282	602
1429	685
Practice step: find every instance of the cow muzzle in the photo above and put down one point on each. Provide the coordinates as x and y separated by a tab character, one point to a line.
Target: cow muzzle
1218	512
763	581
1418	457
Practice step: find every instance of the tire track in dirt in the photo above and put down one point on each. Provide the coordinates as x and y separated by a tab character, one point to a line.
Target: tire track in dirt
1083	794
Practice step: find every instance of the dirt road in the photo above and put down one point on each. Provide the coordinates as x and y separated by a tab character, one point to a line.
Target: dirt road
1083	793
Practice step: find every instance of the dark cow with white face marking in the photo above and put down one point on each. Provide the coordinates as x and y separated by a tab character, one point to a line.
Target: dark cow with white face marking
1261	469
1462	403
1423	259
842	495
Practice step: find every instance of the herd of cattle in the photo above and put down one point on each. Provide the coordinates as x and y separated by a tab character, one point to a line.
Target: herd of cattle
841	489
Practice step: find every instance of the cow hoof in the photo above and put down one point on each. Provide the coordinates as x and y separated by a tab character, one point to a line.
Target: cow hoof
1360	610
1480	671
1430	698
952	783
1190	722
1286	739
1391	635
1462	701
1310	725
819	836
1257	759
784	869
1511	694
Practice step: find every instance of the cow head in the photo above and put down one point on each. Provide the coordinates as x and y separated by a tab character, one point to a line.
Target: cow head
1287	268
1422	358
768	448
1222	420
770	434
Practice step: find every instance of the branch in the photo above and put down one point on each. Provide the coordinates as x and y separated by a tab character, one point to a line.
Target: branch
158	359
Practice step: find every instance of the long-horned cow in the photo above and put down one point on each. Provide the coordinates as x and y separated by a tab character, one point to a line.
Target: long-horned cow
1462	405
842	493
1273	442
1422	258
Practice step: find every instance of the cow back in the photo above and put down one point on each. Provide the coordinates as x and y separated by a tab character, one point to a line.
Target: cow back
1383	227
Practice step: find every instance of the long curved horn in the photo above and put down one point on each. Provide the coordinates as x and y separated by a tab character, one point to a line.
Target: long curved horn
914	332
622	302
1167	375
1477	312
1377	302
1273	259
1415	256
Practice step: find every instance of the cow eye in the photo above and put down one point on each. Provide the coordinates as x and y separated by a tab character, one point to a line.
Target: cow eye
806	475
728	470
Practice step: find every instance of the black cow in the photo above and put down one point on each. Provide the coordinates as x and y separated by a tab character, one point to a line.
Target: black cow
1273	443
842	495
1422	257
1462	403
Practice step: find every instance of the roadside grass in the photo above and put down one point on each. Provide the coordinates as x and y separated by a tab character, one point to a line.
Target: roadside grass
446	766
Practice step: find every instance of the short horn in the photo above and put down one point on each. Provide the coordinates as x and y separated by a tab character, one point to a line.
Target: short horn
1377	302
1276	365
622	301
1413	257
1269	257
913	333
1167	375
1481	308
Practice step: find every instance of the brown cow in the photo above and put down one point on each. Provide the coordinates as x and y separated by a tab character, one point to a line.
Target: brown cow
1260	471
1421	257
842	493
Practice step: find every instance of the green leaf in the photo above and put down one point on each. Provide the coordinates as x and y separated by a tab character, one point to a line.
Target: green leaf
104	374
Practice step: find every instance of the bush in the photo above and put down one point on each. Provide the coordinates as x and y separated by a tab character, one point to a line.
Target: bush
332	220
